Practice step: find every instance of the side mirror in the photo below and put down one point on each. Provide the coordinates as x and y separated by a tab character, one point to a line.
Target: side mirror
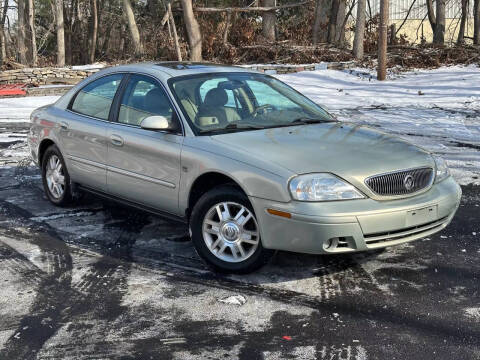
156	122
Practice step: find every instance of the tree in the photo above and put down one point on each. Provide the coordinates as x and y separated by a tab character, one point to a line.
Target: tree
93	31
382	41
359	30
22	50
431	15
476	22
193	31
269	20
463	21
132	26
336	30
439	33
60	33
3	46
31	38
320	24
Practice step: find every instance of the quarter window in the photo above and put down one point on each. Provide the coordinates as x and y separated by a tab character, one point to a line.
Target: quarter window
143	97
95	99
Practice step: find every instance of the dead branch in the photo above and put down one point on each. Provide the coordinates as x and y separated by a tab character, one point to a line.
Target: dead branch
250	9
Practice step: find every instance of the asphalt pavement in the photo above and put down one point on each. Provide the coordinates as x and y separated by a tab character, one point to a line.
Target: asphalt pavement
101	281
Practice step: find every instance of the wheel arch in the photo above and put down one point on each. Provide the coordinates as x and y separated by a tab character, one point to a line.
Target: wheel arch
206	182
44	145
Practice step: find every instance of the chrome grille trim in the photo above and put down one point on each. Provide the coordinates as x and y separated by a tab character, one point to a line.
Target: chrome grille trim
392	184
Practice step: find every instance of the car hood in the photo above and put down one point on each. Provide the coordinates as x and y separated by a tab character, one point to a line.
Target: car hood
351	151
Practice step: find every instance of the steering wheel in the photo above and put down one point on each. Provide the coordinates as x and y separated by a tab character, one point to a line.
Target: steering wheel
262	109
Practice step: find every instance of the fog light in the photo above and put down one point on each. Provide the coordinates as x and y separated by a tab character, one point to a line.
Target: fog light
330	244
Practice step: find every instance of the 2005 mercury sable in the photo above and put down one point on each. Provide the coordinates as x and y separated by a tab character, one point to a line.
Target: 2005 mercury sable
251	164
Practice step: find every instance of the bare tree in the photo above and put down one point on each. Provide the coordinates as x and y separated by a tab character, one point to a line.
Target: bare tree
439	33
269	19
476	22
174	31
322	12
3	46
132	25
193	31
359	30
336	29
93	31
22	50
60	33
431	15
382	41
463	21
31	38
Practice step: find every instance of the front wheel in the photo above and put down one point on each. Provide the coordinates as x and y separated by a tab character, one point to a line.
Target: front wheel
225	231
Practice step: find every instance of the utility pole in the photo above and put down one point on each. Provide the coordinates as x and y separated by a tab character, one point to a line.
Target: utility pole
382	41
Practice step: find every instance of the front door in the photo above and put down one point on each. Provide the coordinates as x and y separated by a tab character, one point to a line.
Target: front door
144	165
83	132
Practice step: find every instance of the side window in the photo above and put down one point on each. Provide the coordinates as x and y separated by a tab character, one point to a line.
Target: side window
95	99
143	97
265	94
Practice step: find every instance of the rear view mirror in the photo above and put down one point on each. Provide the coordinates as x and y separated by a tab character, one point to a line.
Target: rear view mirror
156	122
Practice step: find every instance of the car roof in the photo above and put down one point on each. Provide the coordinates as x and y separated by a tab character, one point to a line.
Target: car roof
180	68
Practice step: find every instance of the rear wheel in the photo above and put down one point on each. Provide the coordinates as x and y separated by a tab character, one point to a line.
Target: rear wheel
56	181
225	231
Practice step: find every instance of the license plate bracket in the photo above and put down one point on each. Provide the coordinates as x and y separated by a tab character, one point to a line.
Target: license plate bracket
422	215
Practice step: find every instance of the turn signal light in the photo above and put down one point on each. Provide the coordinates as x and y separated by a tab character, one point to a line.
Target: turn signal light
279	213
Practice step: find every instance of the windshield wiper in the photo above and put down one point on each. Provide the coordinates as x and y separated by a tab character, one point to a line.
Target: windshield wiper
306	120
232	126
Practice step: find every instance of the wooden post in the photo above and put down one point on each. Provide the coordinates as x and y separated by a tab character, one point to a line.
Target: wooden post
382	41
174	31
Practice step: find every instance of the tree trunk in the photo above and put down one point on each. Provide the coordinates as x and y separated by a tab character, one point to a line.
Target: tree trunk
32	41
336	31
3	46
382	41
93	32
439	34
431	15
60	33
22	50
193	31
132	25
359	30
174	31
463	21
269	20
320	24
476	22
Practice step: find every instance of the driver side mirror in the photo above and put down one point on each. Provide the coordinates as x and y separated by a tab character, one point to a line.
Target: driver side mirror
155	123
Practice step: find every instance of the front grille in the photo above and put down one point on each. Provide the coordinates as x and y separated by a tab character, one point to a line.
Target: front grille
401	182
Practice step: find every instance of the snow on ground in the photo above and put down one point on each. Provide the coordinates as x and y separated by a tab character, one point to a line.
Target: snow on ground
437	109
19	109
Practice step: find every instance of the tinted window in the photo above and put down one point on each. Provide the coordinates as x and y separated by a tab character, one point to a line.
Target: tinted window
143	97
96	98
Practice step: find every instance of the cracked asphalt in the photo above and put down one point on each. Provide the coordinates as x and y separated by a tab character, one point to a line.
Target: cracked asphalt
101	281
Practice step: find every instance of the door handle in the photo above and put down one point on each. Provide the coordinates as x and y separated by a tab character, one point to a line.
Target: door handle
116	140
64	125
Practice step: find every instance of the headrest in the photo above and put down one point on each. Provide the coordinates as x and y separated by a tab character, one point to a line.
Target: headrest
156	101
216	97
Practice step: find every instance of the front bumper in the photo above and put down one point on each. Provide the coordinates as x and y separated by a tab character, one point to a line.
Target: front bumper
356	225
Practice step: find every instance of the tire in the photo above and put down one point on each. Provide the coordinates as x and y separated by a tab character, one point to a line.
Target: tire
54	170
236	231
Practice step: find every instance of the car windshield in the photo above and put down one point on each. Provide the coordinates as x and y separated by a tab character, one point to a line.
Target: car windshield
228	102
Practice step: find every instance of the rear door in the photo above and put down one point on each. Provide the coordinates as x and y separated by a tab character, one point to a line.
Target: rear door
84	132
144	165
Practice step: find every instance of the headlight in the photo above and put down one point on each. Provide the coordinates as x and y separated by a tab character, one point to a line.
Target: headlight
322	187
441	172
